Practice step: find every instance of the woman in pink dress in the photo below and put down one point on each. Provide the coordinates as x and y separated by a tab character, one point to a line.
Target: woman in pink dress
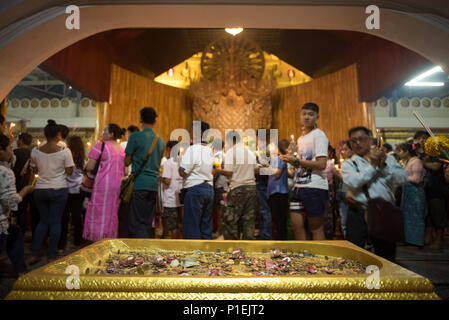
101	216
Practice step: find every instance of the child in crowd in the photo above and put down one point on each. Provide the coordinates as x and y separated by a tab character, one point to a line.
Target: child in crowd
171	185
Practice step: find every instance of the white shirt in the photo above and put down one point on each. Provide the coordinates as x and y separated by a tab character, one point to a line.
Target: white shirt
74	180
241	162
51	168
311	146
197	162
170	197
123	145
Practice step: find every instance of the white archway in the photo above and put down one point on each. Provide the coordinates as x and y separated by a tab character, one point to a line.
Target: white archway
27	43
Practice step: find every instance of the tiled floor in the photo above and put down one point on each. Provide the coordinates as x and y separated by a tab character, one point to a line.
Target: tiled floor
431	264
428	263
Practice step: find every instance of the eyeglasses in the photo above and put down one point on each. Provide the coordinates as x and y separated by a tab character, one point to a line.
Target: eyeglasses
358	140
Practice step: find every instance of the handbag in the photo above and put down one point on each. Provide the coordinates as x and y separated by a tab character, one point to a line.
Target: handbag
182	195
127	185
89	177
384	219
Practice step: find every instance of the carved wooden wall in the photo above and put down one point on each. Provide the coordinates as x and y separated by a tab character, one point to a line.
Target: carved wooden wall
131	92
336	94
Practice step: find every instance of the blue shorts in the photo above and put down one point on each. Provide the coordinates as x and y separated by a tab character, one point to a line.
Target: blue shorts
312	201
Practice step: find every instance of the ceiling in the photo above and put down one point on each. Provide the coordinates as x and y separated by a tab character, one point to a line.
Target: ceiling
311	51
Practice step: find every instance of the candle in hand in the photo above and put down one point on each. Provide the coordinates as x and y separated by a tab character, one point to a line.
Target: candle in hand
35	179
11	126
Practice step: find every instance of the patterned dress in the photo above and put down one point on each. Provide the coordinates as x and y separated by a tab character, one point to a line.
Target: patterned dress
9	198
413	203
101	216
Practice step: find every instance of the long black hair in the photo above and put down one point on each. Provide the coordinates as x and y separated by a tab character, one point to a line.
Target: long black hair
76	146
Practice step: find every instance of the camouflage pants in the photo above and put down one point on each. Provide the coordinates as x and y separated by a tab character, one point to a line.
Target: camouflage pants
240	213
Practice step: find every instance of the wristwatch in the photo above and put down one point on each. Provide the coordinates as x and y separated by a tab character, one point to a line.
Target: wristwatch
296	163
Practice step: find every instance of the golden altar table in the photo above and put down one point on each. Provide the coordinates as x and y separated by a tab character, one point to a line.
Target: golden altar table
50	281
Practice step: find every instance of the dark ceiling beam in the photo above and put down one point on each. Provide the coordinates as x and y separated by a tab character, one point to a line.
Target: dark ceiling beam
85	65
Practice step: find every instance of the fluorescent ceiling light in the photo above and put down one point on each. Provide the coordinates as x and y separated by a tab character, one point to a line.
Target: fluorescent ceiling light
415	81
424	84
234	31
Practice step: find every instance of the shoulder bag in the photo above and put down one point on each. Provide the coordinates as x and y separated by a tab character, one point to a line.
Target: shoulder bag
127	186
89	178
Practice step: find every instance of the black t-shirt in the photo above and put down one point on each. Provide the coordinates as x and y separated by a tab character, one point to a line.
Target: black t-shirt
22	157
434	182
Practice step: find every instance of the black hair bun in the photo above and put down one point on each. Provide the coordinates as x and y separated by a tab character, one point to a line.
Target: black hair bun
51	122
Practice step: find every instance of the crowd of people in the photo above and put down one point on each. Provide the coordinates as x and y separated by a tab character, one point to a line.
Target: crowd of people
214	190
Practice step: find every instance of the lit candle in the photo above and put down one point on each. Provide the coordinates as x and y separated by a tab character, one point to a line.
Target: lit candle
11	125
89	144
381	141
292	137
181	150
217	163
38	142
118	140
336	166
35	179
